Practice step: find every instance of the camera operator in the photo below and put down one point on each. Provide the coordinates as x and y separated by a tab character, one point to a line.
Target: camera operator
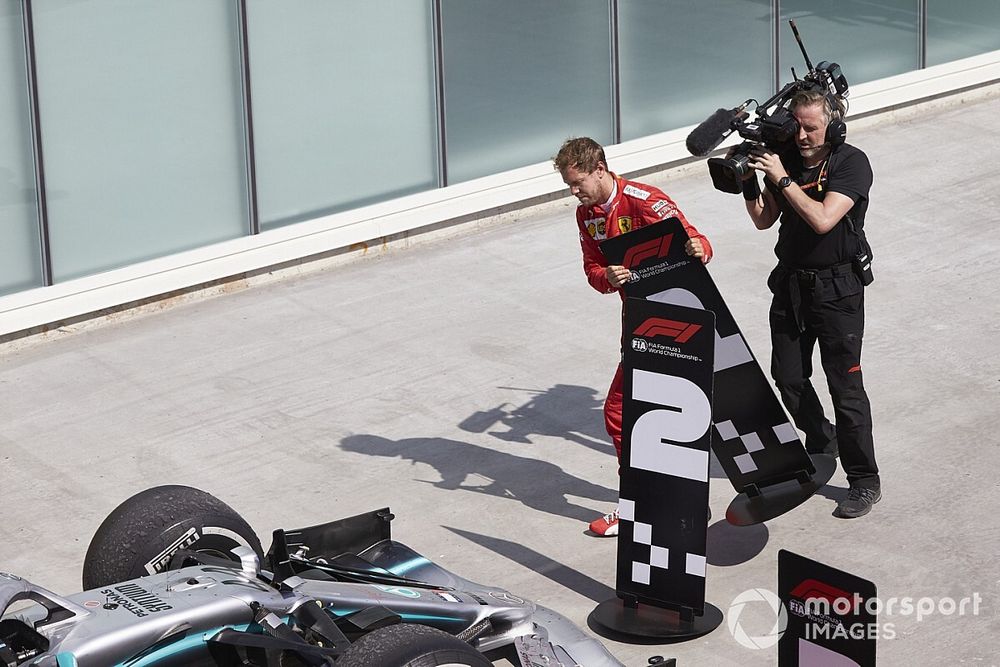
818	190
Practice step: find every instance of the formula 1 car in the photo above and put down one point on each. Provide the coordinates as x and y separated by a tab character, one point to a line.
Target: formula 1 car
174	576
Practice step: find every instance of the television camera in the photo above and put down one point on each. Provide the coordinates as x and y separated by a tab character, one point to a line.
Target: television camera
773	124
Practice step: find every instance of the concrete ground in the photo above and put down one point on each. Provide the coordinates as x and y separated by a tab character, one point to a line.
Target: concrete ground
460	382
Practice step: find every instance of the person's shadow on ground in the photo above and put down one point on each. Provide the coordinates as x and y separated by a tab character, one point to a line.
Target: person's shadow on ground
572	412
536	483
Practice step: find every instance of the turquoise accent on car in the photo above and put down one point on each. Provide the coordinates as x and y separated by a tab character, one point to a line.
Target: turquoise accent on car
427	617
406	566
170	650
407	617
66	660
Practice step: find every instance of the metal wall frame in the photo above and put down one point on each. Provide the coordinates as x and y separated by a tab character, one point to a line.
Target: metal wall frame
922	34
437	37
253	211
616	68
41	202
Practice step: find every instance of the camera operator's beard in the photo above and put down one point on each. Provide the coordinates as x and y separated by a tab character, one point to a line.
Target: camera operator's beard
807	153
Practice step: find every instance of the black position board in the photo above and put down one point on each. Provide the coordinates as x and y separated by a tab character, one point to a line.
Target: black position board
831	619
666	427
753	439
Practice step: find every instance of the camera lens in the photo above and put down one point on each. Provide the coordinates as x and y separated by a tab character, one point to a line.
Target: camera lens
728	172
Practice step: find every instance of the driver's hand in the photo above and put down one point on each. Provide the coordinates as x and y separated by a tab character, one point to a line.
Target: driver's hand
617	275
695	248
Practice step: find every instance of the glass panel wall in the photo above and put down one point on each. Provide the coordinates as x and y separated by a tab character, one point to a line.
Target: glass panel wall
20	254
142	129
869	40
521	77
678	65
343	104
141	106
958	30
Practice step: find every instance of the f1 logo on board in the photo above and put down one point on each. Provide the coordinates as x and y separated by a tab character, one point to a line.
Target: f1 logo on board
658	326
658	248
813	589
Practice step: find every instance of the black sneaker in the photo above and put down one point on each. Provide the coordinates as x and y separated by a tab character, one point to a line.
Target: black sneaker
858	502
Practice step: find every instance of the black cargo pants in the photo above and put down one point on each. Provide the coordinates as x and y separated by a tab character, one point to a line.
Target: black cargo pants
825	306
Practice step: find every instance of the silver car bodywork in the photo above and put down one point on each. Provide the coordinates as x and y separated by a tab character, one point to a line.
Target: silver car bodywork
173	617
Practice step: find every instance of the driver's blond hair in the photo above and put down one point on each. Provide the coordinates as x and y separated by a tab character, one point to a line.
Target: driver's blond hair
581	153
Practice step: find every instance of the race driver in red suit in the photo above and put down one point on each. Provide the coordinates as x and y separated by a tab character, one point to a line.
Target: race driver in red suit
609	206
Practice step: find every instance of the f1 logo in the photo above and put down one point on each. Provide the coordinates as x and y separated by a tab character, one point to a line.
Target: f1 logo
658	248
812	589
657	326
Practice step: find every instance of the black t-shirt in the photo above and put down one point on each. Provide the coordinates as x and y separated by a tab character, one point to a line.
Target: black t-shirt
847	171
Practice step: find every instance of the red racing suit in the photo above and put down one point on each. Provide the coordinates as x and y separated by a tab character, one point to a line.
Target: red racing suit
634	205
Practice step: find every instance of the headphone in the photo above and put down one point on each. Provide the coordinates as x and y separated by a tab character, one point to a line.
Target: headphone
836	129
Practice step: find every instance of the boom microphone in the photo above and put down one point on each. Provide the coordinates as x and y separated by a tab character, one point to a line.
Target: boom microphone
713	131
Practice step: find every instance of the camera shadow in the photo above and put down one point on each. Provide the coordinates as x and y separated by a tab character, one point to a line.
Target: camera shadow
572	412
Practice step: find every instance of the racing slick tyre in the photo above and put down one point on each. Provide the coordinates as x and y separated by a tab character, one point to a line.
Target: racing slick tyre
142	534
411	645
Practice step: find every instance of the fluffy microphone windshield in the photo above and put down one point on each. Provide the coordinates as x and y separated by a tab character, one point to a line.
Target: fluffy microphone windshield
704	138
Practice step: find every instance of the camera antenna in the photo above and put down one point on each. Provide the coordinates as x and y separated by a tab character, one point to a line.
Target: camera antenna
802	47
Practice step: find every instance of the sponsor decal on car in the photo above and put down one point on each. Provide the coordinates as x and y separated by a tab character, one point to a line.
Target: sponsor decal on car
135	599
160	561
